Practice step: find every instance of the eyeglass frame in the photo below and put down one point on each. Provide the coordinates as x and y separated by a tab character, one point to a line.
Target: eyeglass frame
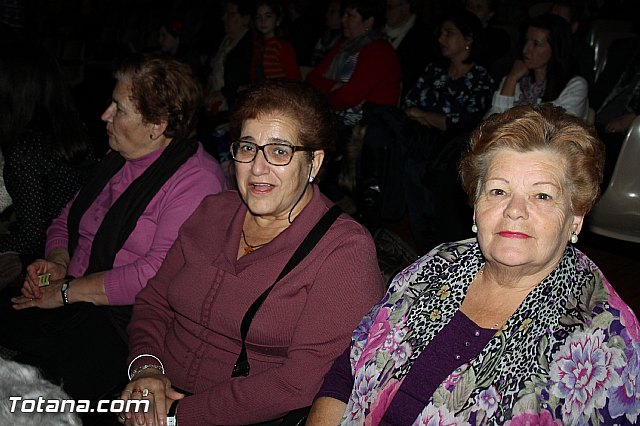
294	148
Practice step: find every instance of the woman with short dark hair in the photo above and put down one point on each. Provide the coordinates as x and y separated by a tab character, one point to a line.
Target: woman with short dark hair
112	237
216	336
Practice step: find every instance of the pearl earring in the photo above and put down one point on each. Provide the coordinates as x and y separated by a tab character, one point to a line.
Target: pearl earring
311	178
474	228
574	238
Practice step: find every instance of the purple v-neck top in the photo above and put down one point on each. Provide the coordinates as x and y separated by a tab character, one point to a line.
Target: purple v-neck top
457	343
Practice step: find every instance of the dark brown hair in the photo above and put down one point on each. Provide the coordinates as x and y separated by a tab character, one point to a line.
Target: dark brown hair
163	89
293	99
542	127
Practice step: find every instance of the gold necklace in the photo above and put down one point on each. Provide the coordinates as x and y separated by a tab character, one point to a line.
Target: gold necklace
249	248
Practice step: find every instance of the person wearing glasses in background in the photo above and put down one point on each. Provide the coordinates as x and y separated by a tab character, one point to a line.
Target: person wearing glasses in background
185	333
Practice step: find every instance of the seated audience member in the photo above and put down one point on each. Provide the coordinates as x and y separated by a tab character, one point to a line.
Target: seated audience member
176	41
616	96
497	41
331	34
413	40
361	70
111	239
231	64
514	327
363	67
582	55
46	149
449	99
544	73
19	385
273	57
192	351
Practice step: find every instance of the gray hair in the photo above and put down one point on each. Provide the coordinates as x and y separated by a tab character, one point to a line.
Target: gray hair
25	382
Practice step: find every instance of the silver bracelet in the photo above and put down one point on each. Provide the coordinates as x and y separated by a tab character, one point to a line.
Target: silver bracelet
139	369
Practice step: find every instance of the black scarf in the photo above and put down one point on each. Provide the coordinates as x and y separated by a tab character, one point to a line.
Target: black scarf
123	215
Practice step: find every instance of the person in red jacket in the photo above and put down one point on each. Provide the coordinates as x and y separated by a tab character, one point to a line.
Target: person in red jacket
361	68
361	71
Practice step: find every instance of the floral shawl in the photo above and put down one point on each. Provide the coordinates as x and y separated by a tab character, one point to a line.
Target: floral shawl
569	355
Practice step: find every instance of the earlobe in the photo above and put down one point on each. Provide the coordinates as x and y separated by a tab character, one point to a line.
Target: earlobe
577	224
158	129
316	161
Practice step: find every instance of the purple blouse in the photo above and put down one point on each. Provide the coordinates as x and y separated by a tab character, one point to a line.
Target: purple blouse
156	230
457	343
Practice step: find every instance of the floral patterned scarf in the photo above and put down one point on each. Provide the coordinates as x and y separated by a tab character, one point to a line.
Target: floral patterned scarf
570	354
531	91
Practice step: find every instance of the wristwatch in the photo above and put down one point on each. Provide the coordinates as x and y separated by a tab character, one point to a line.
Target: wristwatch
172	419
64	290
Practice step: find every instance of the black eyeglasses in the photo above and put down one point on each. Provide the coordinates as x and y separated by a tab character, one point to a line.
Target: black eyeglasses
278	154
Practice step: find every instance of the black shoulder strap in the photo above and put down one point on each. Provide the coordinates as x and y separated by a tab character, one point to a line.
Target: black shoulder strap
242	364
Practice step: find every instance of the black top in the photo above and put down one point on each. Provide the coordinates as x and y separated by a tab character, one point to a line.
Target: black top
40	183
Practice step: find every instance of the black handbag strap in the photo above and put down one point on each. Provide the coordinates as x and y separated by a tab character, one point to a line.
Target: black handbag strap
241	368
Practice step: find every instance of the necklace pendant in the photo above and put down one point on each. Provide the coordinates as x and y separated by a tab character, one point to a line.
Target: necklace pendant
248	250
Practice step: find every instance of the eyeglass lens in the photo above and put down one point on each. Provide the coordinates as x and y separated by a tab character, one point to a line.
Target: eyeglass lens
275	153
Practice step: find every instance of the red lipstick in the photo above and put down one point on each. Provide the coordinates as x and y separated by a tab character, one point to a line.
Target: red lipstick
511	234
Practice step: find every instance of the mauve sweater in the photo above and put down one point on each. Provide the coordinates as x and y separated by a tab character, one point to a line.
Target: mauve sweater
156	230
190	313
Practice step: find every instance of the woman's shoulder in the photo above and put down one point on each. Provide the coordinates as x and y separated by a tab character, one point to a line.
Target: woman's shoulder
481	73
344	224
227	199
33	148
577	82
201	165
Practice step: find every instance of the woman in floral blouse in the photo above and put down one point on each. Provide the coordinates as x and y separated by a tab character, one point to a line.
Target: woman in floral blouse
403	147
514	327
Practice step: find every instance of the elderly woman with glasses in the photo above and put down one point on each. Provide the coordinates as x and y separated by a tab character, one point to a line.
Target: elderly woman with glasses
217	301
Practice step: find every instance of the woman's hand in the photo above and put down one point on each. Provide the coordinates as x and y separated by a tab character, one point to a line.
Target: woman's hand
31	287
150	384
336	86
49	297
620	124
418	115
427	118
518	70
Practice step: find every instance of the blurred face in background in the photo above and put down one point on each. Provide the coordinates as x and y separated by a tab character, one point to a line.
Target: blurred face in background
537	51
353	25
334	15
168	43
234	23
480	8
267	20
398	13
452	43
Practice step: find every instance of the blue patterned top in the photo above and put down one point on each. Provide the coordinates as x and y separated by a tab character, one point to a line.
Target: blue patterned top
462	100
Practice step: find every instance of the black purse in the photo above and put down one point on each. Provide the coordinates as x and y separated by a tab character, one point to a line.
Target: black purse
242	367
